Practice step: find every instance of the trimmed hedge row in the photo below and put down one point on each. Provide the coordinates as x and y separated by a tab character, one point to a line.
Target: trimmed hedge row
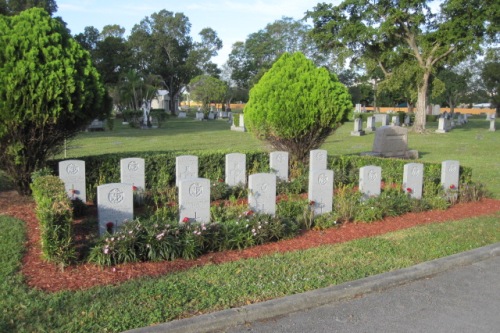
54	212
160	169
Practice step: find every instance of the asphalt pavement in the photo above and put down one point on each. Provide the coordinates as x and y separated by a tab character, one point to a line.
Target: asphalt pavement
459	293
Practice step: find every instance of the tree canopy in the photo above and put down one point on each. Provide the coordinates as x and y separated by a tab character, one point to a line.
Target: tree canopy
49	91
206	88
295	106
13	7
392	33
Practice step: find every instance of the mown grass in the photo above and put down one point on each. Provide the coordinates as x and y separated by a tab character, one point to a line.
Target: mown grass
147	301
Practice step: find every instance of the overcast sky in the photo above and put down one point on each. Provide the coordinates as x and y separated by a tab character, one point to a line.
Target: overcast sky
233	20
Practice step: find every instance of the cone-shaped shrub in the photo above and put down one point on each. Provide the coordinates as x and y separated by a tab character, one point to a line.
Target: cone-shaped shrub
295	106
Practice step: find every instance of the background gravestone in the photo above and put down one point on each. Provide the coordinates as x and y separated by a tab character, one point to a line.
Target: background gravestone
194	200
236	169
321	191
318	159
358	127
392	141
370	178
442	128
370	124
115	204
132	171
262	193
186	166
279	164
72	173
413	176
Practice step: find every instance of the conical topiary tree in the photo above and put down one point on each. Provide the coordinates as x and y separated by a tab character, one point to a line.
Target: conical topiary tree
295	106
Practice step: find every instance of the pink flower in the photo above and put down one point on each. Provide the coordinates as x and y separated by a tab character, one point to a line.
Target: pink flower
185	220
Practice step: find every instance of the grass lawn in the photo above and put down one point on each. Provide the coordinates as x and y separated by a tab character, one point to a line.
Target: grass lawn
147	301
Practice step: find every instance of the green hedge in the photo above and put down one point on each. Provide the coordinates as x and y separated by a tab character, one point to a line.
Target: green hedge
160	169
54	212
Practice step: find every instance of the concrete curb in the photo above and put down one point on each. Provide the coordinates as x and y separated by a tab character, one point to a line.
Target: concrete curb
315	298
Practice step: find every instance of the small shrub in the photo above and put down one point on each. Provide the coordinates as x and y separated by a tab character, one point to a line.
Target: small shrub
472	192
368	210
344	202
326	221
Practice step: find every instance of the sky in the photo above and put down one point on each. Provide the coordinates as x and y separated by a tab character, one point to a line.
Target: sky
233	20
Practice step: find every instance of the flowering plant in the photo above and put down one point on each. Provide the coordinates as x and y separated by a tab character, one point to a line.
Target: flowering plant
185	220
409	190
452	187
109	227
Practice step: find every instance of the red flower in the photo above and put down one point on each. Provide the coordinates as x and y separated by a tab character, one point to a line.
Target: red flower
134	188
185	220
312	203
409	190
452	186
72	191
109	225
248	212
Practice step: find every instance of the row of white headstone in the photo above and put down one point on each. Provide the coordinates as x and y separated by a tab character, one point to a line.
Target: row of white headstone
115	200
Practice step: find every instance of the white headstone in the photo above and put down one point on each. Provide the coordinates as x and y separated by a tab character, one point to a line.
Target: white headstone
370	178
395	121
194	200
242	120
182	114
413	177
200	116
407	120
358	127
436	110
370	124
211	115
442	126
115	206
492	125
450	171
132	171
236	169
262	193
279	164
318	159
358	108
72	173
321	191
186	167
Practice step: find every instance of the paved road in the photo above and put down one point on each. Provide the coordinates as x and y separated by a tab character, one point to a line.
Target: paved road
464	299
459	293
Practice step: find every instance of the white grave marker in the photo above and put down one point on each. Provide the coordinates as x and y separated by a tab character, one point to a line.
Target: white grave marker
194	200
115	206
262	193
413	177
318	159
236	169
450	171
370	178
321	191
72	173
186	166
279	164
132	172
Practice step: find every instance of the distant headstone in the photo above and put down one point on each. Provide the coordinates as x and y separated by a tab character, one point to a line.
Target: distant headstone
358	108
413	176
262	193
318	159
436	110
236	169
384	119
132	171
395	121
186	167
279	164
450	174
370	124
194	200
115	206
442	128
182	114
370	178
321	191
358	127
200	116
241	126
492	125
211	115
407	120
72	173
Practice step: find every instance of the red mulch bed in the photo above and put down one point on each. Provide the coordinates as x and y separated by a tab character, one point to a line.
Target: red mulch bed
46	276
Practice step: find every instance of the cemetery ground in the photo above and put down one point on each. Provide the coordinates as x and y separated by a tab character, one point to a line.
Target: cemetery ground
36	296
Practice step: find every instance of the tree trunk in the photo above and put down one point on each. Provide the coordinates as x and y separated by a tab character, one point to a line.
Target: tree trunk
421	104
